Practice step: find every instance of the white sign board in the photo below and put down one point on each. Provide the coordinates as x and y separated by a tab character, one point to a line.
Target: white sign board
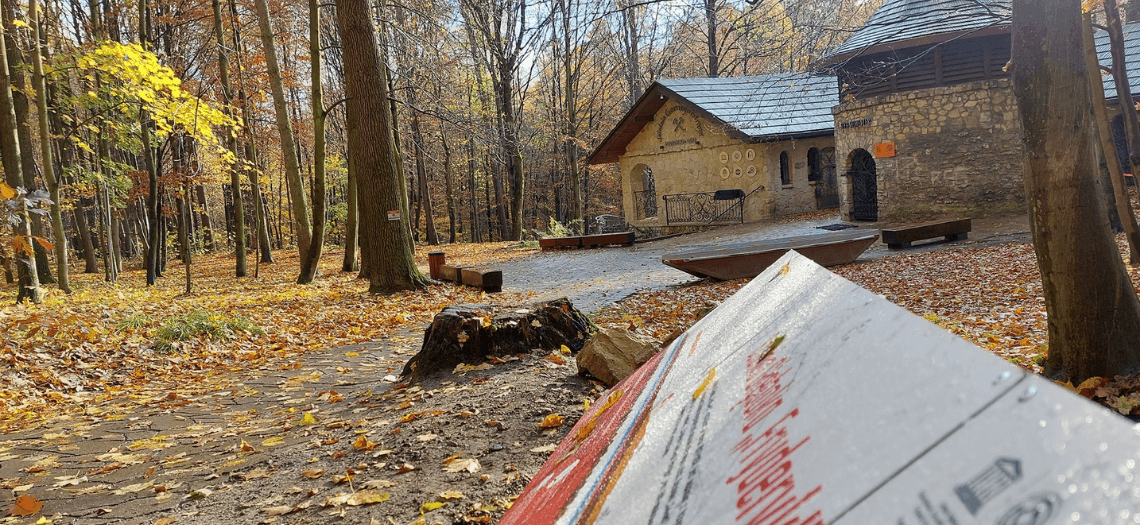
804	399
394	215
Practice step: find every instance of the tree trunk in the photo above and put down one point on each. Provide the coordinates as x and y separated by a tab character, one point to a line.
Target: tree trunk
91	264
449	188
1094	313
1104	132
238	217
298	197
470	333
473	189
47	167
28	281
385	244
351	222
714	53
312	256
17	67
425	190
204	216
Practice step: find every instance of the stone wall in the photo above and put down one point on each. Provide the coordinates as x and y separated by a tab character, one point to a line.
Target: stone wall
688	154
957	150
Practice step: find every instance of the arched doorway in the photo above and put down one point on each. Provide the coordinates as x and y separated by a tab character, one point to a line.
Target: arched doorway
864	186
644	192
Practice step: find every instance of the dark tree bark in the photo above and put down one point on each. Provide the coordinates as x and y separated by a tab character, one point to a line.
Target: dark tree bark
1094	313
385	244
238	217
422	181
12	158
470	333
311	258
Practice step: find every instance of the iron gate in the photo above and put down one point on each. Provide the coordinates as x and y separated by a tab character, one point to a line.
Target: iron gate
827	189
864	187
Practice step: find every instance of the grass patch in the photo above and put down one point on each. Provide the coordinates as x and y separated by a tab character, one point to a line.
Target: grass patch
135	322
199	323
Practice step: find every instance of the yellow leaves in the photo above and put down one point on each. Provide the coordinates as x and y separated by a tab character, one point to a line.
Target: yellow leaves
273	441
362	444
450	495
1089	386
704	384
308	419
246	447
430	506
7	191
551	421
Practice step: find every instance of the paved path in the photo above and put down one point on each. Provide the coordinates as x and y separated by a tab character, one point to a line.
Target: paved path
594	278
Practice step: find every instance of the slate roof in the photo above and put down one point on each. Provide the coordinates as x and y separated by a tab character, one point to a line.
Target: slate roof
904	21
1132	59
751	109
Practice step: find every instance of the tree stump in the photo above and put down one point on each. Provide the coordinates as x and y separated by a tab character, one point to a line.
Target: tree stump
472	332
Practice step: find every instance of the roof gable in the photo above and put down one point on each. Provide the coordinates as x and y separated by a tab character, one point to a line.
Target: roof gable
751	109
901	23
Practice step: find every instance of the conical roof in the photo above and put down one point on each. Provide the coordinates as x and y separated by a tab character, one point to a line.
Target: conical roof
899	21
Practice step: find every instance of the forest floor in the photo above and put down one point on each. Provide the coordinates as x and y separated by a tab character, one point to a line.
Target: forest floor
302	418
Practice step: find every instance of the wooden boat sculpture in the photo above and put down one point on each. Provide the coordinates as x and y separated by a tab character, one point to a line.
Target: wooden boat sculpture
748	259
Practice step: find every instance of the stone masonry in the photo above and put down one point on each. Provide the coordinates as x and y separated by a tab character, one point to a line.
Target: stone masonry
957	150
689	154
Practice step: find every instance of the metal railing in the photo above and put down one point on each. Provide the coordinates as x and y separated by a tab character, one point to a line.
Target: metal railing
645	204
707	208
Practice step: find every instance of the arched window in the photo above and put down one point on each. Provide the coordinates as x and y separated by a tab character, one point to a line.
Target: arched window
785	172
814	170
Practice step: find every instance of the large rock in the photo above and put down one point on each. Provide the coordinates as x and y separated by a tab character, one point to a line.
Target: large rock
612	355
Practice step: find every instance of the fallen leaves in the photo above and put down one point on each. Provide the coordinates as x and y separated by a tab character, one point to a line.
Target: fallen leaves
551	421
25	505
458	464
95	346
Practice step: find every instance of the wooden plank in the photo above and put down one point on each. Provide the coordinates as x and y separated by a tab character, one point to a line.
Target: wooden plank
450	273
559	242
624	238
488	280
952	230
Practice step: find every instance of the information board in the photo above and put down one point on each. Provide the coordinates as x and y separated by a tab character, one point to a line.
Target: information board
805	399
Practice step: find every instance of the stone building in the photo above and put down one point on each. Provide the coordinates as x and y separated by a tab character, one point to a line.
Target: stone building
717	150
927	123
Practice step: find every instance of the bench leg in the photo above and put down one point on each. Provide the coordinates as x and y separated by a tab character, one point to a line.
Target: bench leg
957	237
898	246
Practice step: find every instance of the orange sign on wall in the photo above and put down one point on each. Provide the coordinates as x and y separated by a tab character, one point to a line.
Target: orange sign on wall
884	150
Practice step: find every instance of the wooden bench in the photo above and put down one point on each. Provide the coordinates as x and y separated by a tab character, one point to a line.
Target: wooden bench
951	230
560	242
604	239
451	273
488	280
587	241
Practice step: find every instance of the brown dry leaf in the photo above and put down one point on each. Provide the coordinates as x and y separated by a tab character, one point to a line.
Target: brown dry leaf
337	479
406	467
544	449
246	447
1089	387
167	520
378	484
462	464
367	497
314	473
279	510
450	495
25	505
556	359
